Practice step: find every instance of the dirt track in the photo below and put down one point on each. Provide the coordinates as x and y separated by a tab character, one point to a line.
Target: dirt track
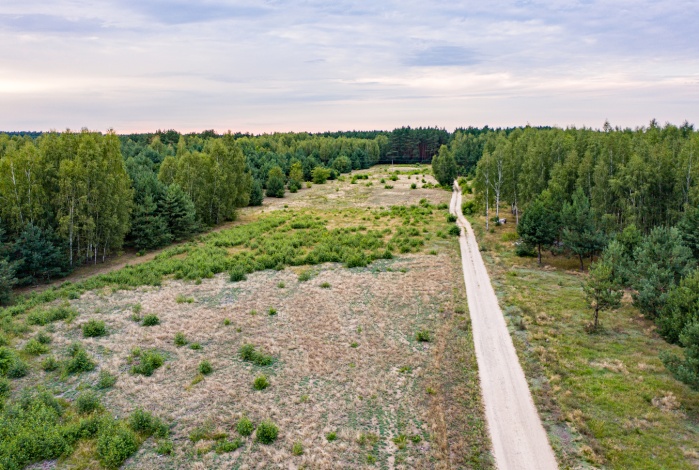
518	437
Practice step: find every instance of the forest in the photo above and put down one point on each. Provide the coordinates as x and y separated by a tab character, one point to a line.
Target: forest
626	199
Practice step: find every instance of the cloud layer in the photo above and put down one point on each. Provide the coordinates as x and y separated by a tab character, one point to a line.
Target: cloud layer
311	65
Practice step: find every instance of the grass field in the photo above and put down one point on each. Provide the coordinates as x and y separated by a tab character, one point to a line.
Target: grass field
606	399
350	294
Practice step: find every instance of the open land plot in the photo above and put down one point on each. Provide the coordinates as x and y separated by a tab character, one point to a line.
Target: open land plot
606	399
350	384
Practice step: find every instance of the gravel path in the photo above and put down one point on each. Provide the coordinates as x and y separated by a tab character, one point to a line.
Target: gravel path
518	437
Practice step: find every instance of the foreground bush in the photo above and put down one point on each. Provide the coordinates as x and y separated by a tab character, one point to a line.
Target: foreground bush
115	444
250	354
147	362
94	328
267	432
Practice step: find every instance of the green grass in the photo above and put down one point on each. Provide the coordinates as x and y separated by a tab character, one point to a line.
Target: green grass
602	394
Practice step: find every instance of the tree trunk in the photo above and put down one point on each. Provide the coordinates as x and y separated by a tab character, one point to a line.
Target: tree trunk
582	266
539	246
596	317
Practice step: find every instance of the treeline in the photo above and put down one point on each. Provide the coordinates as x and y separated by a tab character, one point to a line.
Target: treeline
630	197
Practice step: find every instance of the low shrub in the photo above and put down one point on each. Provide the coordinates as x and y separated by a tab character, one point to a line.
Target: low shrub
50	364
205	367
244	426
43	338
250	354
94	328
454	230
224	446
79	361
150	320
5	388
106	380
525	250
115	444
87	402
297	449
164	447
413	186
180	339
260	382
305	275
272	311
146	424
181	299
468	207
423	336
147	362
45	316
237	275
331	436
267	432
34	348
451	218
195	346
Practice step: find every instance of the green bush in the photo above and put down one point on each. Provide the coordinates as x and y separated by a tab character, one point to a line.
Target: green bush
454	230
18	369
147	362
146	424
451	218
205	367
115	444
87	402
468	207
94	328
245	426
79	361
224	446
320	175
195	346
525	250
237	275
42	337
331	436
35	348
150	320
45	316
180	339
164	447
423	336
106	380
413	186
267	432
260	382
305	275
250	354
4	389
272	311
50	364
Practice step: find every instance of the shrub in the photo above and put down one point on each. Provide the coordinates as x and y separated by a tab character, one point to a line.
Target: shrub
18	369
272	311
224	446
205	367
115	444
145	423
50	364
164	447
525	250
297	449
320	175
106	380
357	260
87	402
331	436
136	309
180	339
454	230
423	336
94	328
245	426
250	354
281	285
79	361
305	275
237	275
260	382
148	362
45	316
413	186
451	218
195	346
181	299
267	432
150	320
468	207
226	322
400	441
42	337
35	348
325	285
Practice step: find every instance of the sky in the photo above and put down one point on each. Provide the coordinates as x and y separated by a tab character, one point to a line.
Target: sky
278	65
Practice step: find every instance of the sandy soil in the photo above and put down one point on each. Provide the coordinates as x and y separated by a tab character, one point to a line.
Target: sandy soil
518	438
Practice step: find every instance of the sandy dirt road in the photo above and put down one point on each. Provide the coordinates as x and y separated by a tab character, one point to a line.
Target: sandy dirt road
518	437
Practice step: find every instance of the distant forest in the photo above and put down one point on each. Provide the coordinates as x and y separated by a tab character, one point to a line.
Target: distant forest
71	198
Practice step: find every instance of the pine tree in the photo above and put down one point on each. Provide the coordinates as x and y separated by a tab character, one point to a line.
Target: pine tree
689	229
579	233
38	256
256	194
7	280
686	370
149	230
538	226
179	213
275	182
602	290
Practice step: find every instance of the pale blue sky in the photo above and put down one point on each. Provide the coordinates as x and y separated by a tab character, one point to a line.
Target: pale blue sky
311	65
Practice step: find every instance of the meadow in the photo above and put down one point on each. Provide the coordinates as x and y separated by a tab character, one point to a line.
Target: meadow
323	330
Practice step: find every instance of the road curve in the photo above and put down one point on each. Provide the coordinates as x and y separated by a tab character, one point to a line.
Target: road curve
518	437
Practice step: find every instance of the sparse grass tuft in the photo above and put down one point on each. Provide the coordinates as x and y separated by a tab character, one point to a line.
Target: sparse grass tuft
325	285
297	449
305	275
272	311
281	285
181	299
223	446
195	346
106	380
164	447
400	441
50	364
226	322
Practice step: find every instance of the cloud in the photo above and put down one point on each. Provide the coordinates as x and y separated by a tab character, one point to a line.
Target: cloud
438	56
183	12
47	23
